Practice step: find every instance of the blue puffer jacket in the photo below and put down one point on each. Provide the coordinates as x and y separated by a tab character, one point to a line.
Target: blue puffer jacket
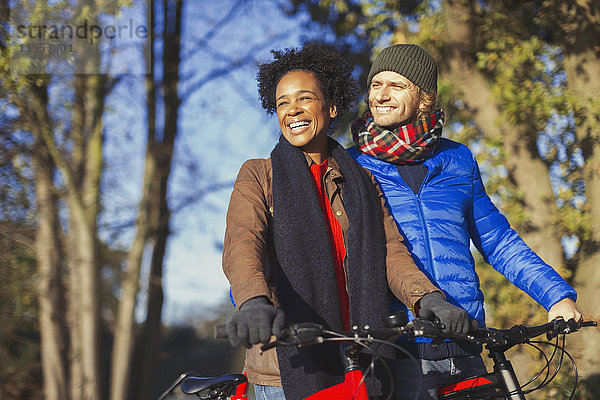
450	209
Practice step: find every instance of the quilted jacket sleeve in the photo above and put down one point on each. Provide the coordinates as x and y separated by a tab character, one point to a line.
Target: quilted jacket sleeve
504	249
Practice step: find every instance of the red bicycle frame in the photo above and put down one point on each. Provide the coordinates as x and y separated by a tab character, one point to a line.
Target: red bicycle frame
353	387
240	391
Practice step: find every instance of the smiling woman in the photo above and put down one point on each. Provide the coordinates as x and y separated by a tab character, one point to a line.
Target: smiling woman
304	115
294	245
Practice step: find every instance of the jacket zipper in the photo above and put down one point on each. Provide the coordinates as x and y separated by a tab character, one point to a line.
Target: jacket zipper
419	202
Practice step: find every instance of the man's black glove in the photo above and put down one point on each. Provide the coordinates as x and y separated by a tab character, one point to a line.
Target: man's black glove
455	319
255	321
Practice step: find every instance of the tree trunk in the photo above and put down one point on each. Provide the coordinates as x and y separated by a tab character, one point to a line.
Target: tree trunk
171	64
78	157
73	313
587	276
124	332
124	324
83	184
49	256
89	307
151	337
155	207
524	165
83	202
582	66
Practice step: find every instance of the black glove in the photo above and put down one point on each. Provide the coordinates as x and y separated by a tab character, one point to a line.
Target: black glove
254	322
454	319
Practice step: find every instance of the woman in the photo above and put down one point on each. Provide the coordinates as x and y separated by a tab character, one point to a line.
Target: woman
308	235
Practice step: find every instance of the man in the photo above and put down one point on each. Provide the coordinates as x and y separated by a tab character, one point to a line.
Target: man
435	193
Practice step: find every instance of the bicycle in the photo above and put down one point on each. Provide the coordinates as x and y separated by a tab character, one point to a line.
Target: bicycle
500	383
304	334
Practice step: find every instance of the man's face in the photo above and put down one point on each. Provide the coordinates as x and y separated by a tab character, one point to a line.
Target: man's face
393	100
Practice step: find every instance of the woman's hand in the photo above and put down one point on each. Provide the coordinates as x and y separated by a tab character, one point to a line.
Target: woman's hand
255	322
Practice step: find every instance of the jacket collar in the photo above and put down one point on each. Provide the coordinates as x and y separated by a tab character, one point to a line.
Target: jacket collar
332	166
434	162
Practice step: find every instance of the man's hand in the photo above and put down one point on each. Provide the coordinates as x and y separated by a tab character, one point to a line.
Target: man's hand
255	321
455	319
566	309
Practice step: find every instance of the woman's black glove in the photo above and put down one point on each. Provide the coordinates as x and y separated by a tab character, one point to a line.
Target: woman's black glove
453	318
255	321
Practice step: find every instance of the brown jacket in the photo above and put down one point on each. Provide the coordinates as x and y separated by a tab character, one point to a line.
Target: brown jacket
248	253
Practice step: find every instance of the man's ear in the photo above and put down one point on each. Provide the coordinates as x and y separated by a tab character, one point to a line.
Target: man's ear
332	111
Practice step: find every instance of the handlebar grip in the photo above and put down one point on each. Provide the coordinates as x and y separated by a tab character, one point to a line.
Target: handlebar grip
221	331
562	327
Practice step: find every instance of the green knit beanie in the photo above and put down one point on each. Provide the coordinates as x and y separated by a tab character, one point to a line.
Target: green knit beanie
409	60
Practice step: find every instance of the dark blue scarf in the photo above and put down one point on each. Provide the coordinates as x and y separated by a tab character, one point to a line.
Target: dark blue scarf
305	278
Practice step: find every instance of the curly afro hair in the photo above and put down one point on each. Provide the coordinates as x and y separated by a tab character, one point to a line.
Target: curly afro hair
333	73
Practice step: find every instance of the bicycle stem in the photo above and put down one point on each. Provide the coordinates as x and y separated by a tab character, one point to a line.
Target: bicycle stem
507	374
349	353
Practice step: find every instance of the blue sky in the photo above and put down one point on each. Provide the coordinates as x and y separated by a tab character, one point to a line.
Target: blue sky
221	125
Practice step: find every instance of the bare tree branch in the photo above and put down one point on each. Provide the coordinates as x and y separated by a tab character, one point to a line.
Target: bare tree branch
19	233
195	197
236	8
233	65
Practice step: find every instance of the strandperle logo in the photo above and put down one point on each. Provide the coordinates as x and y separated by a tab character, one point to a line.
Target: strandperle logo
59	42
91	32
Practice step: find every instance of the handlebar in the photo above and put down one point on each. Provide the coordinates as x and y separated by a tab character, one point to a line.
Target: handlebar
307	333
519	334
303	334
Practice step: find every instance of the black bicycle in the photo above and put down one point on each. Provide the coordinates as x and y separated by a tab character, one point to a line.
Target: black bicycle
501	383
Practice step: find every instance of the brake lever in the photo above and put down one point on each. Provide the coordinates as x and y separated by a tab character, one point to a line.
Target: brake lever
273	344
303	334
423	327
565	327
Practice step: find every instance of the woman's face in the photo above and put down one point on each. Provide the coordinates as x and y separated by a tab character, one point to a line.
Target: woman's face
303	114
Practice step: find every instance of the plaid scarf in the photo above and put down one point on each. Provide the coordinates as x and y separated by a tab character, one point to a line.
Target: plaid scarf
408	144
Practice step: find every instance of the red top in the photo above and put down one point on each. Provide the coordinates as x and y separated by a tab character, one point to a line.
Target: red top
336	239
